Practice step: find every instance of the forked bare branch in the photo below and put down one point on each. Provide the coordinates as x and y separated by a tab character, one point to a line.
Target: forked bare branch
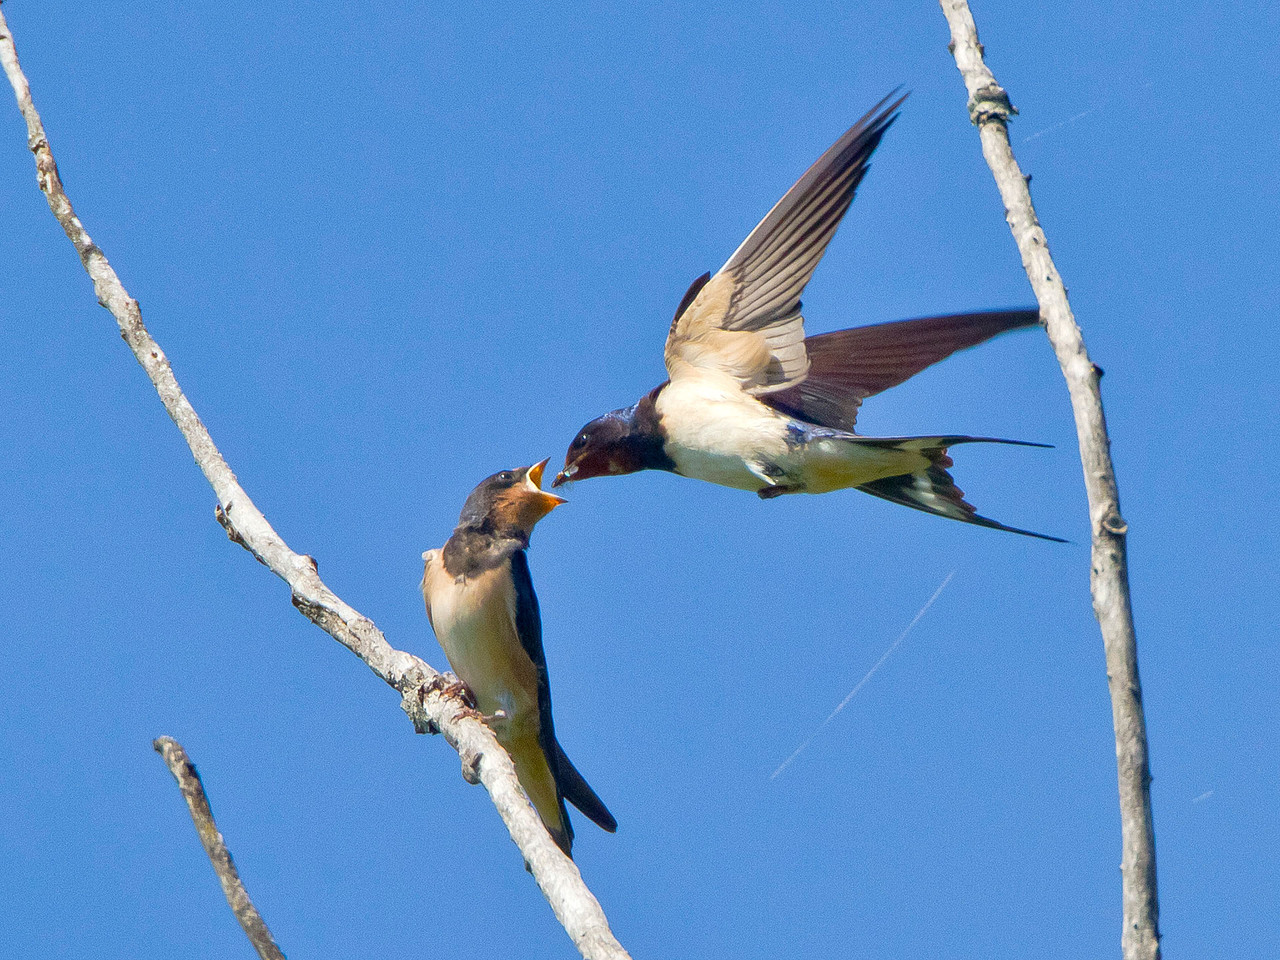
421	687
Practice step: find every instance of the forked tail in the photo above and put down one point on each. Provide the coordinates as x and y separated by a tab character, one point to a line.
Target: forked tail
932	489
576	790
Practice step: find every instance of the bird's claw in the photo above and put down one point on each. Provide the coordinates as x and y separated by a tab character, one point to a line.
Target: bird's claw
460	691
455	689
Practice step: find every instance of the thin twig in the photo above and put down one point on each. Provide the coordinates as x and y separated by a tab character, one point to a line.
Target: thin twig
989	108
421	687
184	771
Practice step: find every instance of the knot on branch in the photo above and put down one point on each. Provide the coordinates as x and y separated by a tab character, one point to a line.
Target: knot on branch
304	563
46	167
223	515
1114	524
323	617
470	765
990	103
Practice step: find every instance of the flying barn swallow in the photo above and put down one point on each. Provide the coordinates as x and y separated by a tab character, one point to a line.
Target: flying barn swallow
753	403
482	607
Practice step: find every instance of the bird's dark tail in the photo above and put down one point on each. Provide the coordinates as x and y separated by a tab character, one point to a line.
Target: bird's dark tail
576	790
932	489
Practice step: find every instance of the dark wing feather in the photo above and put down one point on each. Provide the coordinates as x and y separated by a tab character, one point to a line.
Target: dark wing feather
847	366
569	783
690	295
757	291
529	629
772	266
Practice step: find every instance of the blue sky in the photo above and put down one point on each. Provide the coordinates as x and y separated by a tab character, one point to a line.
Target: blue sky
393	248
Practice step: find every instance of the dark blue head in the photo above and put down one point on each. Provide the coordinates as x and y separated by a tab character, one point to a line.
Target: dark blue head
622	441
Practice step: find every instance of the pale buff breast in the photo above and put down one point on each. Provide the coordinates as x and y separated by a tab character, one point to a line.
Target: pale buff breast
474	619
713	427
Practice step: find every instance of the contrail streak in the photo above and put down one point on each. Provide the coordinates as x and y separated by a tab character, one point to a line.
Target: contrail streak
1084	113
863	682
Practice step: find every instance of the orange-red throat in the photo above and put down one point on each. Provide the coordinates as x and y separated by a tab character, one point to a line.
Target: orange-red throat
522	505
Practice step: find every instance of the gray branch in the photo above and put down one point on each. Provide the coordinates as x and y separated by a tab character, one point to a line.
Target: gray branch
989	108
184	771
422	688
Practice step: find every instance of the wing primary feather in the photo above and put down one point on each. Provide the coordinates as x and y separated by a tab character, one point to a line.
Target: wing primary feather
847	366
759	287
801	259
834	176
781	292
837	193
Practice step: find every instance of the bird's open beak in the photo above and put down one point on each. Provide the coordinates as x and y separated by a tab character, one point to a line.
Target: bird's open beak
533	479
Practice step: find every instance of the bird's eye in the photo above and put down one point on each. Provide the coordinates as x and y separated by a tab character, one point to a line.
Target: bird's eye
580	440
506	476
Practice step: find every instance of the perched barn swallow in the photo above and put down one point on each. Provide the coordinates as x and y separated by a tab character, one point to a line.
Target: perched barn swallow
753	403
481	604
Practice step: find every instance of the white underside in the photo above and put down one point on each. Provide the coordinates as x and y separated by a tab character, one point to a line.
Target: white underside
718	433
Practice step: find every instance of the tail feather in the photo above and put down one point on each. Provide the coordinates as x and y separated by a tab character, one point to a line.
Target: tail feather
576	790
933	490
535	768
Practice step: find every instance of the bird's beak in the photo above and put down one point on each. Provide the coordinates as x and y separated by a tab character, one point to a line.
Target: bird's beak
565	475
533	481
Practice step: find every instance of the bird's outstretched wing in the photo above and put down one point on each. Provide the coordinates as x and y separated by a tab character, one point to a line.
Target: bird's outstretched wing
746	320
847	366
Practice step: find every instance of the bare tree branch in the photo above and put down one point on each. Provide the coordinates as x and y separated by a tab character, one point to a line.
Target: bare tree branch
422	688
184	771
989	108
